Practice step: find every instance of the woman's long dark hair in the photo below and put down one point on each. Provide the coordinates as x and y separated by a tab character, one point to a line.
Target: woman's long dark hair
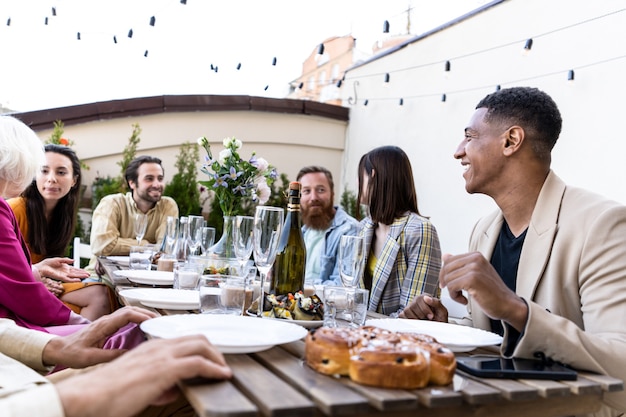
51	238
391	190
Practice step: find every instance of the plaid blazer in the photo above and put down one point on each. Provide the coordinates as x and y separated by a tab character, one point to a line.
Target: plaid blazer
408	265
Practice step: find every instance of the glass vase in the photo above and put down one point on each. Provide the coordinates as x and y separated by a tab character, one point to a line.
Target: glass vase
225	246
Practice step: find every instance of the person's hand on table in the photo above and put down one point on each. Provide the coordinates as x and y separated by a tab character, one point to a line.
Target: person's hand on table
61	269
473	273
100	269
84	348
150	374
425	307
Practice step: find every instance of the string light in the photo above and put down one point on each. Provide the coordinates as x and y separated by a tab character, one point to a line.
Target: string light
266	87
152	21
339	83
443	98
529	44
366	102
447	66
130	33
387	77
386	26
54	11
320	49
145	54
300	85
570	75
401	102
183	1
274	61
9	21
78	35
46	21
498	88
114	39
239	66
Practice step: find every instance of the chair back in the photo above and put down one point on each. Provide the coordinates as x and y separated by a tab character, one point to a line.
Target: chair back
81	250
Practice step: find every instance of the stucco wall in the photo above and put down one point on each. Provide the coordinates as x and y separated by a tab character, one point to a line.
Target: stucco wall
287	141
484	51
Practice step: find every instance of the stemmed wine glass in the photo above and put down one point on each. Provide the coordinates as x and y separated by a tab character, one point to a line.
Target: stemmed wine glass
268	224
171	234
351	265
196	223
242	237
141	223
207	238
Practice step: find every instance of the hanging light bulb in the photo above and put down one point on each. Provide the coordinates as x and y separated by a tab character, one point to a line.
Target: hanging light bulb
46	21
216	69
366	102
145	53
529	44
183	1
320	49
212	67
54	11
387	77
570	75
386	26
266	87
443	98
114	39
130	33
152	21
78	35
239	66
401	102
274	61
498	87
300	85
447	66
9	21
339	83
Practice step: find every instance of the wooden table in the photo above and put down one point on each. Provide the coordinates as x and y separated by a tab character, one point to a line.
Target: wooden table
276	382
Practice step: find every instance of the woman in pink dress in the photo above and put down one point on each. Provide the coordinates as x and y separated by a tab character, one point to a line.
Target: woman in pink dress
23	298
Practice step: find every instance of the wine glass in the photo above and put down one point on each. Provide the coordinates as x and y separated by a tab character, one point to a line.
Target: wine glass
196	223
141	223
351	260
207	238
171	234
268	223
242	236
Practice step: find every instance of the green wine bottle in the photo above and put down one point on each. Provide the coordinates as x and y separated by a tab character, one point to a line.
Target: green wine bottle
289	266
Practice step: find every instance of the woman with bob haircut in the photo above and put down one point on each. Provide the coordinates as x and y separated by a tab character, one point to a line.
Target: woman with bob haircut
403	256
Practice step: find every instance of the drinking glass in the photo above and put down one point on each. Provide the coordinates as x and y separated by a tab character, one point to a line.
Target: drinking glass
171	234
242	237
207	238
268	224
196	223
351	260
141	223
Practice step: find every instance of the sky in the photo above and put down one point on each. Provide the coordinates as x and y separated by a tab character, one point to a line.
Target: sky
47	66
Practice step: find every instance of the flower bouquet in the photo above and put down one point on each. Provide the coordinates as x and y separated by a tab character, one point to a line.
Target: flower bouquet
234	180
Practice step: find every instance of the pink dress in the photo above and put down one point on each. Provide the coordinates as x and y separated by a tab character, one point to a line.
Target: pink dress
28	302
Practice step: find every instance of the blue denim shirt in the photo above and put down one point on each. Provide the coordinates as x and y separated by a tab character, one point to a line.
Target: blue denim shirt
342	224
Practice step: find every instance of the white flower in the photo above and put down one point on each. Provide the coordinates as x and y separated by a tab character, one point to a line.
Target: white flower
261	164
263	192
224	155
237	143
202	141
226	142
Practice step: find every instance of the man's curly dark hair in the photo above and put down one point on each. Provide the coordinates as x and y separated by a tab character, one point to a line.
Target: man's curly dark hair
529	108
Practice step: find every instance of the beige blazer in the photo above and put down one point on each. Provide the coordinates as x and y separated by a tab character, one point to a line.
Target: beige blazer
572	274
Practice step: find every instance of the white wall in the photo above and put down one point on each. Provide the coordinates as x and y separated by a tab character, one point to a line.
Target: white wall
484	51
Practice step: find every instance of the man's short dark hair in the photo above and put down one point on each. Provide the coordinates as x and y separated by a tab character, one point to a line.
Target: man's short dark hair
132	170
313	169
530	108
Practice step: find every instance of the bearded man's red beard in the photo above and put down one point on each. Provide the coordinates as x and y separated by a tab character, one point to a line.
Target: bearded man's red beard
318	217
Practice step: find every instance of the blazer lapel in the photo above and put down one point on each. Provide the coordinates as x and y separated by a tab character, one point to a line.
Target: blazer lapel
540	236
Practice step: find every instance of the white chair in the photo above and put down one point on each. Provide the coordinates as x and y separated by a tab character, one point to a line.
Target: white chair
81	250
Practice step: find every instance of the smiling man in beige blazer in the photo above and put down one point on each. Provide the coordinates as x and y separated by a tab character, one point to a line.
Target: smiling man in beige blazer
548	269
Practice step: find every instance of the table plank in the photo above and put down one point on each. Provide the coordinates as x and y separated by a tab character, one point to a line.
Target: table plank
475	393
217	399
510	389
548	388
607	383
272	395
332	397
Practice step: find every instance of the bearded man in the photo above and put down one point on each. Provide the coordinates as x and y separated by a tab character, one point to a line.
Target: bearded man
323	225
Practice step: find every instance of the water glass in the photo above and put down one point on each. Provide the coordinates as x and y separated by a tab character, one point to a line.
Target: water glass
344	307
351	260
166	262
207	238
141	257
224	294
186	276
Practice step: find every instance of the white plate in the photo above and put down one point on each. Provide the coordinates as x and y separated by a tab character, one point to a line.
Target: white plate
163	298
456	337
121	260
147	277
230	334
